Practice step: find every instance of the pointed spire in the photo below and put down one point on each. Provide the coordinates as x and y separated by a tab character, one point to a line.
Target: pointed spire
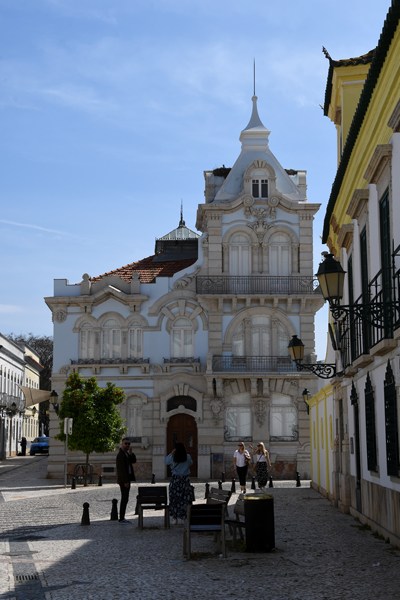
181	222
255	120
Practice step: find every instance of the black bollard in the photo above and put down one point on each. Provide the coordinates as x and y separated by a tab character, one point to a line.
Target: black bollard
207	492
298	483
223	476
271	483
153	478
233	486
114	510
219	484
253	483
85	515
73	483
100	481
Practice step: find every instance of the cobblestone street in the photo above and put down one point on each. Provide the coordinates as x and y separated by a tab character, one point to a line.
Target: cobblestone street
47	554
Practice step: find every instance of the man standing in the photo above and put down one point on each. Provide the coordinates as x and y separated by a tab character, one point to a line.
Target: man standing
125	474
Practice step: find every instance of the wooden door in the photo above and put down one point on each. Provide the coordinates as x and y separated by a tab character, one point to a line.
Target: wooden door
183	428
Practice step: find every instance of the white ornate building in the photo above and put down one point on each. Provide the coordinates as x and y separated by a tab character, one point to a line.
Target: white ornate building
197	334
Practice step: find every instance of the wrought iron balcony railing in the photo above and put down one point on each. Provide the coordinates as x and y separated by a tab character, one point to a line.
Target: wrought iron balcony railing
253	364
181	360
110	361
373	317
257	284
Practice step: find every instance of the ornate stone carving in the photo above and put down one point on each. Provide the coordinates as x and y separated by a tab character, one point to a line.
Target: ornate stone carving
260	410
217	408
59	315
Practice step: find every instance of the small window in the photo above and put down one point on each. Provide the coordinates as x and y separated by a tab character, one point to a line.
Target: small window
259	188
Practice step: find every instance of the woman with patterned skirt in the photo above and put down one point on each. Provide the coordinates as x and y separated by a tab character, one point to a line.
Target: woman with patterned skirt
262	462
180	490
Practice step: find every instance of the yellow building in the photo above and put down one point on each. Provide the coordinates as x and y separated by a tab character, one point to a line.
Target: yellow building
362	231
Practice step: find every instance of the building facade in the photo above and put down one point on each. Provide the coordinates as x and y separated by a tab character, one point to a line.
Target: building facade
362	230
197	334
19	367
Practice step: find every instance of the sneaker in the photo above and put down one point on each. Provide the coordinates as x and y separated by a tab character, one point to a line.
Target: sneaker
124	521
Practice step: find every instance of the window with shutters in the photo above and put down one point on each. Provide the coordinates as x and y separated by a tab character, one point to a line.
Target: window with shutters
370	427
391	423
111	339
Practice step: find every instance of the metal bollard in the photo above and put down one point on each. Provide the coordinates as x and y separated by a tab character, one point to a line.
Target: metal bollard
271	483
114	510
223	476
73	483
153	478
100	481
298	483
233	486
219	484
207	492
253	483
85	515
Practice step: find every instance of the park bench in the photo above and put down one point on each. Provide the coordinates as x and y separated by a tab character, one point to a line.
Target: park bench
216	495
152	497
237	522
205	518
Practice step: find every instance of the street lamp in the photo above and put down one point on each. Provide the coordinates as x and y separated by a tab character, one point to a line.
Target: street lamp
54	401
296	351
306	396
331	276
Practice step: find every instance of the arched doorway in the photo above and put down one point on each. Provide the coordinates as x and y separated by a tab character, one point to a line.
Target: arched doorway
183	428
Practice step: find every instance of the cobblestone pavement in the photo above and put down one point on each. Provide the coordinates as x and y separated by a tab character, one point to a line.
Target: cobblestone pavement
46	554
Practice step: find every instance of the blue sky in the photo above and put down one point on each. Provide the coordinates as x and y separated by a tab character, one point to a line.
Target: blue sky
112	109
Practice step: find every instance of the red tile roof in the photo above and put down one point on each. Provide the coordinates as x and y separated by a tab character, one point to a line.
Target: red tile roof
148	269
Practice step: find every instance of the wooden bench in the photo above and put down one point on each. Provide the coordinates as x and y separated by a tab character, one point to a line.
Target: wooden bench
205	518
237	522
152	497
216	495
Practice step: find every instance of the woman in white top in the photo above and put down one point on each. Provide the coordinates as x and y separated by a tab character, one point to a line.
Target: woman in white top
241	459
262	462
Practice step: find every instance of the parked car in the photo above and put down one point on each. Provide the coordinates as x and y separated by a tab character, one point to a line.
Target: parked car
40	445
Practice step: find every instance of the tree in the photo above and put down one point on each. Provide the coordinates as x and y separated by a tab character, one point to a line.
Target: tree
43	345
97	423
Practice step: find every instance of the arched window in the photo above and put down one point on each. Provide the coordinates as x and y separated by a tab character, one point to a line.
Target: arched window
239	255
182	338
111	339
280	254
135	341
86	341
132	412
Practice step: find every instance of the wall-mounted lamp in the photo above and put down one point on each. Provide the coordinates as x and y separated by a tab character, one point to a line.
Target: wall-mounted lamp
306	396
54	401
34	411
296	351
331	277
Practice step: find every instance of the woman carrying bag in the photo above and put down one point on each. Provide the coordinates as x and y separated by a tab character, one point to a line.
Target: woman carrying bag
241	460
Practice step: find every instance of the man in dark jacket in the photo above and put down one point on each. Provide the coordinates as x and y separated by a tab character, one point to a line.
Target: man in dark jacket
125	474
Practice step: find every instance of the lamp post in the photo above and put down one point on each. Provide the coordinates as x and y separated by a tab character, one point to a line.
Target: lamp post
54	401
306	396
331	277
296	351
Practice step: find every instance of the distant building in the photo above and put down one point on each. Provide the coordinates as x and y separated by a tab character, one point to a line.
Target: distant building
19	366
197	334
356	419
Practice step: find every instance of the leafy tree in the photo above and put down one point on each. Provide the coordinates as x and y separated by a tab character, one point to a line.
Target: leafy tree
43	345
97	424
